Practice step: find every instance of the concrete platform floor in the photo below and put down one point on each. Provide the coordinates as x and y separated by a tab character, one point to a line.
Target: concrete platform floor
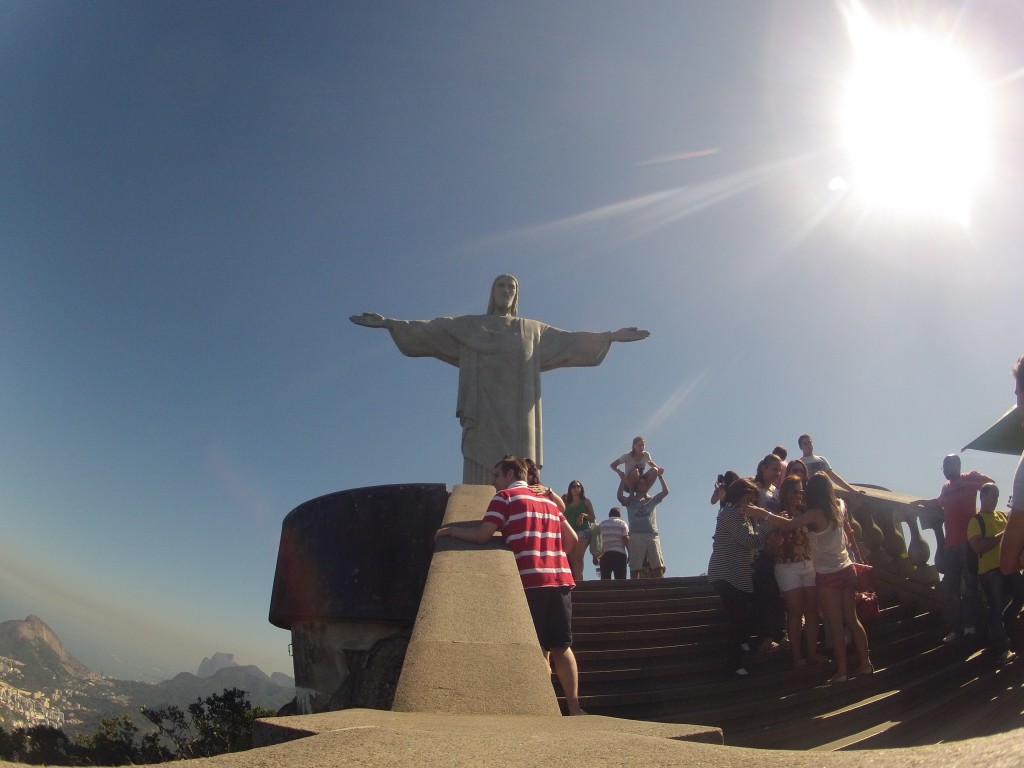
377	739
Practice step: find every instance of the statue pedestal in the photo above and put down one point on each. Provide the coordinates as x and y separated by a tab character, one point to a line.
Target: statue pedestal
350	573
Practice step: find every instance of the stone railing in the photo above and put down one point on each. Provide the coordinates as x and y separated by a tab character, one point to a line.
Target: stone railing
878	517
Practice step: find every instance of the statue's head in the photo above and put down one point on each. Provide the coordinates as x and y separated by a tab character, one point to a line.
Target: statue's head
504	296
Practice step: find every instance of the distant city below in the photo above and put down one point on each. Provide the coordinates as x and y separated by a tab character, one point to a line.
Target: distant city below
42	684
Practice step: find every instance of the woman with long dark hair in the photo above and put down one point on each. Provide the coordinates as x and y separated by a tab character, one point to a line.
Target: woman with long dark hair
797	468
580	514
825	521
769	474
767	596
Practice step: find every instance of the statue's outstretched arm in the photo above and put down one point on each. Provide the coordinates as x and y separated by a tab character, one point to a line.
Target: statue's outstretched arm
372	320
629	334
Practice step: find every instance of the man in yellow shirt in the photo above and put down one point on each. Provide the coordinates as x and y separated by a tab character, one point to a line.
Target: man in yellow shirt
984	534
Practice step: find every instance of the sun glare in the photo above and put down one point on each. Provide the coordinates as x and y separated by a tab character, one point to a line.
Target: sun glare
915	119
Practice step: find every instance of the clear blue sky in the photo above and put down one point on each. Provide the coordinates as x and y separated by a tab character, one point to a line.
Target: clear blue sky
195	196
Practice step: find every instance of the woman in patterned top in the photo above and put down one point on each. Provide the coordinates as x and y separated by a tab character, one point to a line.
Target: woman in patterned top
794	571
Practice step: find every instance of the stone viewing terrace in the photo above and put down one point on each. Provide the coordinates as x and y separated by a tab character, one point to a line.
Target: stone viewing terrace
457	680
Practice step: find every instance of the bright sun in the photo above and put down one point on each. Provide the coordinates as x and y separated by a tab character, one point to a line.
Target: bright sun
915	119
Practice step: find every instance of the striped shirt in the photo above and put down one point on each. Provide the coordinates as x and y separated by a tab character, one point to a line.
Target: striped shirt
613	533
531	526
733	547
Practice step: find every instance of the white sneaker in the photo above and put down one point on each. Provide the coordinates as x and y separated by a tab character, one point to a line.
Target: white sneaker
952	637
745	647
742	672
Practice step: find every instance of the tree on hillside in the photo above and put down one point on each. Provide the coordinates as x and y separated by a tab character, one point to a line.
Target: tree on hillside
214	725
113	744
46	745
11	744
211	726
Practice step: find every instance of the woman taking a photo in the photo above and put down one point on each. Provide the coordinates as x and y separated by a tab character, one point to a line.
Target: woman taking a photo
825	521
794	572
721	486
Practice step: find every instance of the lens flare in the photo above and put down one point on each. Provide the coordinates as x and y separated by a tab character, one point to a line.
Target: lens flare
915	120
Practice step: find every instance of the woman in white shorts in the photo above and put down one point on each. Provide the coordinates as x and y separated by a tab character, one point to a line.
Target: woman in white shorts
794	572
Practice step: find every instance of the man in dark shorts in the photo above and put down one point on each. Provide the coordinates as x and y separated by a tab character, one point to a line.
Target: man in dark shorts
536	531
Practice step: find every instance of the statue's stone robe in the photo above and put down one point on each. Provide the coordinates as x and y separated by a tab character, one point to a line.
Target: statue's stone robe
500	360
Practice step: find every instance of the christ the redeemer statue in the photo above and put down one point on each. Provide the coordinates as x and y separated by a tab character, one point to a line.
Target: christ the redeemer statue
500	357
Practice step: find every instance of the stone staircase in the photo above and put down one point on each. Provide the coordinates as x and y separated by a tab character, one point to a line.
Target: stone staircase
653	650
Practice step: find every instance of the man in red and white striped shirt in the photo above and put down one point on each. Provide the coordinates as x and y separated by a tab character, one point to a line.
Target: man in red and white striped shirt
536	531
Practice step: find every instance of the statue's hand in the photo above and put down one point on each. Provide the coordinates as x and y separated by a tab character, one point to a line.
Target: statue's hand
370	320
630	334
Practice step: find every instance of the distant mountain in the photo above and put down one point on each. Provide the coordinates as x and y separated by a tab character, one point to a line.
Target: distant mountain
33	659
282	679
46	661
219	661
261	688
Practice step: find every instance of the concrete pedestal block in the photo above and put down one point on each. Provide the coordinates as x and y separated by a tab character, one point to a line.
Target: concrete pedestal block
350	573
474	649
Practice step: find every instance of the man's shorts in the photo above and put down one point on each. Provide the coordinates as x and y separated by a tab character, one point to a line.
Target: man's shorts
790	576
551	609
645	545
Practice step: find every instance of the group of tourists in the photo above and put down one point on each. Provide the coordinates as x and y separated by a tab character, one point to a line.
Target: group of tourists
781	559
783	553
615	543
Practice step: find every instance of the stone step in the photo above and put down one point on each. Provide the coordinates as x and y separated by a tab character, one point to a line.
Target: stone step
899	694
601	650
630	585
628	679
602	622
642	589
647	637
616	605
652	650
987	697
749	709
